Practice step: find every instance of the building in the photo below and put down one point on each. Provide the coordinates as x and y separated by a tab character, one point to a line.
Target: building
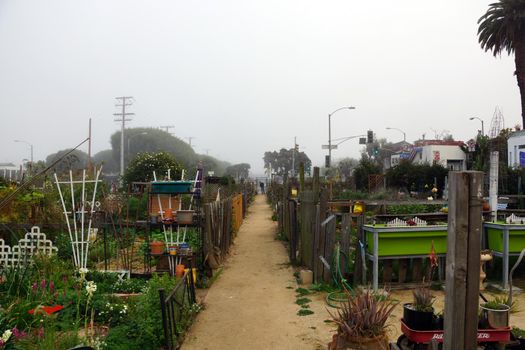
516	149
10	172
449	154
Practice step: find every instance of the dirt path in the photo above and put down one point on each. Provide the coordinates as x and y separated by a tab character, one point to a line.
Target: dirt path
252	304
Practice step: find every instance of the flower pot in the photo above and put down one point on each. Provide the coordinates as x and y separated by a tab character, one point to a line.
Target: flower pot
417	320
156	247
495	318
439	322
179	270
185	217
172	249
355	343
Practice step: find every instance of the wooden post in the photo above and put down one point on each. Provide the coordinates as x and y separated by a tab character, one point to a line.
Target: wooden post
463	260
301	176
316	185
308	216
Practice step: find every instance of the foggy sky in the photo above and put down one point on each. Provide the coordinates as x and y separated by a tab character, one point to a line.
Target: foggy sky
246	76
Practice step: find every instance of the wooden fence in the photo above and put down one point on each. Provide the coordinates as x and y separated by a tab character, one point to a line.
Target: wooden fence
315	227
222	222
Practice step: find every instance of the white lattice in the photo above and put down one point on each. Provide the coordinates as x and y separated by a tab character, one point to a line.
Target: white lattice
34	242
419	222
396	222
513	219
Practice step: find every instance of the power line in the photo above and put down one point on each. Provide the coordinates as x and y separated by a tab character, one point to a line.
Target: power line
124	101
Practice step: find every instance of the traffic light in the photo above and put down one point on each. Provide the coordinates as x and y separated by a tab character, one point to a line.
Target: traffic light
376	151
327	161
369	136
296	148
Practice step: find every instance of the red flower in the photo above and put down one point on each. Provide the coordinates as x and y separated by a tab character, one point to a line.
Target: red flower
433	256
47	309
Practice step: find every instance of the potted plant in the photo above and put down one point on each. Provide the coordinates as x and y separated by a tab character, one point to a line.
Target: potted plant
419	315
361	321
495	314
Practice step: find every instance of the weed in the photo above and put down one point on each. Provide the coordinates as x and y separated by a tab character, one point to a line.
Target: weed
289	287
302	292
302	301
304	312
305	306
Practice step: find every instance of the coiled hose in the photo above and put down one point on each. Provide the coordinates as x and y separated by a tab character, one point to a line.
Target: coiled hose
334	298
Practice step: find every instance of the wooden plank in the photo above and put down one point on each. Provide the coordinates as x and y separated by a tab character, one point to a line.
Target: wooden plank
329	246
316	229
359	275
307	217
346	230
387	271
293	231
402	270
417	265
463	259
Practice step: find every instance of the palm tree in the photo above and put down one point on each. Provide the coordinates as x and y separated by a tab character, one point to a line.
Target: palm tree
502	28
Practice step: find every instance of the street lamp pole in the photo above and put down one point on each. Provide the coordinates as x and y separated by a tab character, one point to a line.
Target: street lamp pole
404	134
482	124
330	132
30	146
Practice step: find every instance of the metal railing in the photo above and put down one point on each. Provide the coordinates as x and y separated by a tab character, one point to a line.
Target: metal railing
176	310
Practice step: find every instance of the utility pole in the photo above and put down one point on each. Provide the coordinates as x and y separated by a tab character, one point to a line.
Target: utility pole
124	101
89	146
190	138
167	128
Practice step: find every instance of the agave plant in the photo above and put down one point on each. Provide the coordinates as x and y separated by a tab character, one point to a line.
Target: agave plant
423	300
363	315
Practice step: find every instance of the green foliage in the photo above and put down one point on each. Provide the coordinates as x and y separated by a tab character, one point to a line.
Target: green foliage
304	312
363	315
238	171
302	291
281	162
416	177
76	160
412	208
142	167
423	300
363	170
302	301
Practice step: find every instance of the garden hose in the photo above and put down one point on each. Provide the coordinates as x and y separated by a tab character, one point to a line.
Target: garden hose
339	281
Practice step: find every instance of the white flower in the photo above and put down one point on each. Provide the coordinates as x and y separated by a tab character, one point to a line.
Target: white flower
83	270
91	288
6	335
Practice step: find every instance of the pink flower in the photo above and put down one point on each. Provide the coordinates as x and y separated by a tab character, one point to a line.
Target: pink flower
43	284
51	287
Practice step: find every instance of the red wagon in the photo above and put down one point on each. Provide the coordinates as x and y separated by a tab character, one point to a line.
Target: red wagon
411	339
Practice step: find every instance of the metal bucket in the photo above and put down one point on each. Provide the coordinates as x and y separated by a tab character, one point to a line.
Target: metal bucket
495	319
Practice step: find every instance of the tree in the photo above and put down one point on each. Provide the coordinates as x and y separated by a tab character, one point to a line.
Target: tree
281	162
238	171
365	168
106	159
76	160
502	28
143	165
153	140
346	166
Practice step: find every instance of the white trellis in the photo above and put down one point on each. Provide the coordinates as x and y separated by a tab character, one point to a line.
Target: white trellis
75	210
33	243
513	219
168	228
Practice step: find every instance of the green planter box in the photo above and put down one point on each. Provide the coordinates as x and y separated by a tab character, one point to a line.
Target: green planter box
495	236
407	240
171	187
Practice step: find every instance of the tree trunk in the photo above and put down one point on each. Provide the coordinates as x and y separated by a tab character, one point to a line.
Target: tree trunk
519	59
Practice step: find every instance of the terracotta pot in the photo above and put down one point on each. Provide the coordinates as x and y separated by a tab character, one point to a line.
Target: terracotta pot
156	247
486	206
179	270
350	343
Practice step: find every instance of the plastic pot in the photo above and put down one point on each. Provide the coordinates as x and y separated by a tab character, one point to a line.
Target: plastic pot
418	320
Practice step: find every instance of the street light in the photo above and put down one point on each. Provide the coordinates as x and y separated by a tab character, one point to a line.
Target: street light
482	127
132	136
330	132
404	134
30	145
